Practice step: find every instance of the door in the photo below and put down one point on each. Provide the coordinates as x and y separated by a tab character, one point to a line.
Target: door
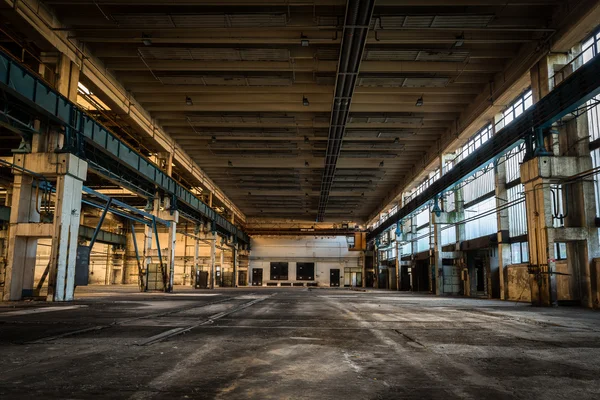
257	277
334	277
480	276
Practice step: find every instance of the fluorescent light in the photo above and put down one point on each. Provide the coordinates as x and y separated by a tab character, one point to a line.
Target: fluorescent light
146	40
460	40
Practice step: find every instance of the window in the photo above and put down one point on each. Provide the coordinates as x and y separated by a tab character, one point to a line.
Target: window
423	239
520	252
480	185
481	219
560	251
279	271
517	216
515	109
475	141
305	271
448	234
556	195
514	159
590	47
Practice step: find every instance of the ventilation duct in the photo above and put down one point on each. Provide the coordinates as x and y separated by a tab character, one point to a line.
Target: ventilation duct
355	31
212	54
203	21
400	22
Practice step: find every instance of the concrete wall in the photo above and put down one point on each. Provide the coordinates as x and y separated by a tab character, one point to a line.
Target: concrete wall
517	283
326	252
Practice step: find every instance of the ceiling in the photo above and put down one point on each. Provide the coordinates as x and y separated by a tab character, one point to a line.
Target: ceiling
246	86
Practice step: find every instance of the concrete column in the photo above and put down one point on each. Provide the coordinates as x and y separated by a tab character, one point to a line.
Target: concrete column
21	254
61	283
535	175
165	161
173	218
68	172
196	252
459	215
397	264
438	268
364	269
413	250
221	261
149	239
67	78
213	257
504	250
580	210
171	244
235	265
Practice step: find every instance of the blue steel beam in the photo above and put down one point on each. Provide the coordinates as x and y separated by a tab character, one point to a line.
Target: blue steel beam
33	92
580	87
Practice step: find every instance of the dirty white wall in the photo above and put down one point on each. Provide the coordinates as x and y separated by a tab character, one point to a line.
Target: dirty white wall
326	252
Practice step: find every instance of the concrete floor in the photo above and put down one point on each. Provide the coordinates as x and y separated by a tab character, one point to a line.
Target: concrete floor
296	343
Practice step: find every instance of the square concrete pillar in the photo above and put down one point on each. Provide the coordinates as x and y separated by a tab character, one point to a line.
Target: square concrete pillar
21	254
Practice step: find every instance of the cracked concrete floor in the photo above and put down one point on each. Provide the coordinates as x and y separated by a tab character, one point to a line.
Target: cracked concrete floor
295	344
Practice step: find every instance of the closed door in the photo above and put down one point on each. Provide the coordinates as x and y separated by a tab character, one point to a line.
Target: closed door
257	277
334	277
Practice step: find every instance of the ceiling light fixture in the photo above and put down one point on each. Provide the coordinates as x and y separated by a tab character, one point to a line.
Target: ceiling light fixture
397	140
460	40
419	102
381	164
146	40
213	139
304	40
305	101
188	101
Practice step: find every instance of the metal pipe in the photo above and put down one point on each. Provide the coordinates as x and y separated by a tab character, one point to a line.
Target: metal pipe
102	217
143	286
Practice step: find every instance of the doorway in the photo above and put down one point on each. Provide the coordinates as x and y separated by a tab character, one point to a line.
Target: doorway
257	277
480	275
334	278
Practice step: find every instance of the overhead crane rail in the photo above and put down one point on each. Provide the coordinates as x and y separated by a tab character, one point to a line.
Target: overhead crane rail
580	87
84	136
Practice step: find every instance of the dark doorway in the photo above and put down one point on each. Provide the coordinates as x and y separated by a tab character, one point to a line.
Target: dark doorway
242	278
479	269
382	282
420	276
257	277
369	279
334	277
404	278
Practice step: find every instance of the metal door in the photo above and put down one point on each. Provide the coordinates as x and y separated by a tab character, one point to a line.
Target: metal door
257	276
334	277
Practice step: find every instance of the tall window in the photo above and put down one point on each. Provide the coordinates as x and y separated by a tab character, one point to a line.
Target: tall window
590	47
476	141
516	108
